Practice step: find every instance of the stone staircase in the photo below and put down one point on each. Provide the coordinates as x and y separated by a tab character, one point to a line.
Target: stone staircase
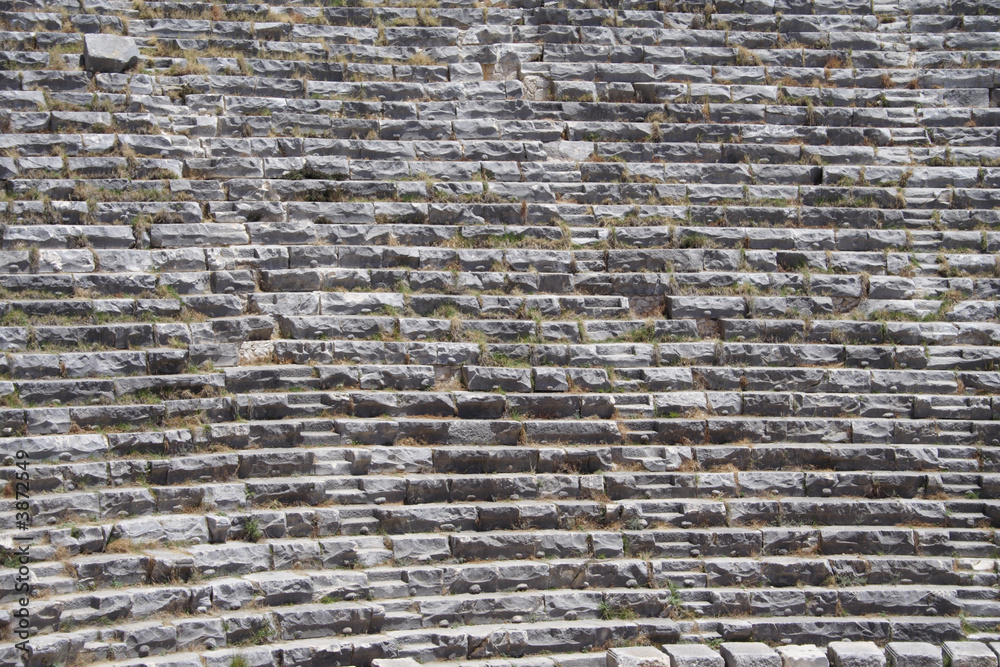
503	334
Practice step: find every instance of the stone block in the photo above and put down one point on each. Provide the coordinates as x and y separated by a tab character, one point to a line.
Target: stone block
806	655
856	654
969	654
637	656
913	654
749	654
693	655
109	53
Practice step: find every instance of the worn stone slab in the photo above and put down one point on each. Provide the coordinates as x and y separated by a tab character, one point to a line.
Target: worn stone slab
638	656
856	654
693	655
969	654
109	53
805	655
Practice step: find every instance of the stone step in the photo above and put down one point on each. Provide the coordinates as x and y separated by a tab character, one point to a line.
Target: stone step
491	641
403	429
704	504
623	473
795	169
963	449
459	226
283	602
606	190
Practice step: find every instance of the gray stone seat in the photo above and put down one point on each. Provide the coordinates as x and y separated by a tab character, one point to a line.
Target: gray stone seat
191	468
308	394
656	458
706	506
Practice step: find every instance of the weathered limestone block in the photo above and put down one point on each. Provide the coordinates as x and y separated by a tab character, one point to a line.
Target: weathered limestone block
749	655
277	588
803	656
109	53
321	620
856	654
693	655
639	656
913	654
969	654
481	378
